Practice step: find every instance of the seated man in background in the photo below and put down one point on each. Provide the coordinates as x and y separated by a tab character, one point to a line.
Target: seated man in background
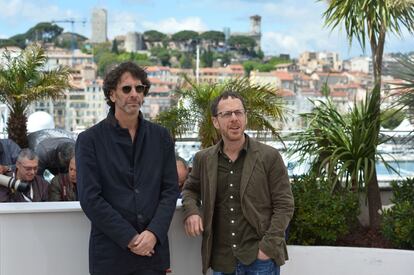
63	186
182	171
9	151
26	169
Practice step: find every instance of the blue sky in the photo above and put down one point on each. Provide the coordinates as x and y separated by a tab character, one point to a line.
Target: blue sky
288	26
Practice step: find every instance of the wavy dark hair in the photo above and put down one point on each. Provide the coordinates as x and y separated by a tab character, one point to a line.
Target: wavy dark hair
225	95
112	78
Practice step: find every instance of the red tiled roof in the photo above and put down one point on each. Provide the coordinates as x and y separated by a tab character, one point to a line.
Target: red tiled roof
286	93
156	68
283	75
339	94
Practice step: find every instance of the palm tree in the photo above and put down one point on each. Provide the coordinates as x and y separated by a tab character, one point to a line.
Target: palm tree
23	80
339	146
263	105
372	20
405	71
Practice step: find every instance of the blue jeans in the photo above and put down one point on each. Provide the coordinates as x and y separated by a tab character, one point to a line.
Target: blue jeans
258	267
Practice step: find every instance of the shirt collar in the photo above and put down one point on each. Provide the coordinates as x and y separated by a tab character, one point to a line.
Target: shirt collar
244	148
111	119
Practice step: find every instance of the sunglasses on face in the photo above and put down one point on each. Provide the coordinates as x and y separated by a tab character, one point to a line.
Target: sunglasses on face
140	88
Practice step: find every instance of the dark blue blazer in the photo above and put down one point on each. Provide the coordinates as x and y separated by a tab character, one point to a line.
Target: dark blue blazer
124	188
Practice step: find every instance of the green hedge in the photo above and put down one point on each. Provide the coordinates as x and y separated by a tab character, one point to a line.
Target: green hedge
398	221
320	217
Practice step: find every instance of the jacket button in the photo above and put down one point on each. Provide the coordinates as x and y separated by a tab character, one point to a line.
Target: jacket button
140	217
136	191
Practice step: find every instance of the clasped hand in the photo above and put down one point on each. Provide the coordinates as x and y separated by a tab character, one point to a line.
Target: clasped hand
143	244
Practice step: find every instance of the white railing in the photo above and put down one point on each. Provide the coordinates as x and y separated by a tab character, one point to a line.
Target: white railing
52	238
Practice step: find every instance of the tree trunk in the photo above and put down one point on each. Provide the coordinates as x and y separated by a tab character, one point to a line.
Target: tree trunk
374	202
373	192
17	129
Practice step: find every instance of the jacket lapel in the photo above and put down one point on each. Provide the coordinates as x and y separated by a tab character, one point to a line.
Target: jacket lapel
212	164
211	188
248	166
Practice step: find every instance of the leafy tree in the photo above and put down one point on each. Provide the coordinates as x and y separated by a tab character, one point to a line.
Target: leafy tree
263	106
260	54
44	31
102	54
249	66
243	44
278	60
183	36
8	43
154	36
207	58
137	57
225	58
23	81
372	20
162	54
115	47
69	40
186	61
106	59
20	40
214	36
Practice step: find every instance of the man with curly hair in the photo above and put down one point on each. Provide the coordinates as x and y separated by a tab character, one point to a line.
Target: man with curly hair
127	181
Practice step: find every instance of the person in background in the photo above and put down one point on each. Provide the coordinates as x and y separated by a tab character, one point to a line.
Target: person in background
127	181
63	186
182	171
26	169
9	151
54	154
243	188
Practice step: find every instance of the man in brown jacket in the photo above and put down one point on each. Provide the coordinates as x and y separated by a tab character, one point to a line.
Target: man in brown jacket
238	197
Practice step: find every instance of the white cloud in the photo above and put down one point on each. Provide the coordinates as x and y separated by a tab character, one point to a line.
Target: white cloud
121	23
276	43
310	37
21	15
16	9
289	10
298	26
172	25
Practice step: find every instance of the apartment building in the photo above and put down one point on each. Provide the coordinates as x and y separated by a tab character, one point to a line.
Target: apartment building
319	61
64	57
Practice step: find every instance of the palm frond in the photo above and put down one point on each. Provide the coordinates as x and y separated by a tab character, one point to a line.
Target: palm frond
263	104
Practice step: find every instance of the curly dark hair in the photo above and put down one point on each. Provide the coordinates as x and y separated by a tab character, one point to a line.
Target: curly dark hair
112	78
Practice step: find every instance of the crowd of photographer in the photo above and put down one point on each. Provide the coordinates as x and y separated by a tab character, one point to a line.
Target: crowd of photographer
23	177
22	171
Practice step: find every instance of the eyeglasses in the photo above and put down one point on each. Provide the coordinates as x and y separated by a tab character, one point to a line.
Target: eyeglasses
140	88
30	168
228	114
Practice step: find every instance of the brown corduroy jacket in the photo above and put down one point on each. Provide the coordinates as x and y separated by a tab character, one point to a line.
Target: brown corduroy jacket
266	197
